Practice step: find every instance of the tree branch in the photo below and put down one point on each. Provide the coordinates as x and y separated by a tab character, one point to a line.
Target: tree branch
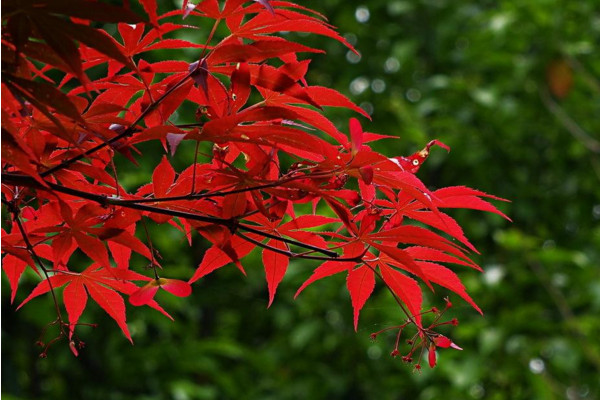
127	132
570	125
232	223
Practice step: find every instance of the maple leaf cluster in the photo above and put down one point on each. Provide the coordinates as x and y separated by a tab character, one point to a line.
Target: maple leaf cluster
264	150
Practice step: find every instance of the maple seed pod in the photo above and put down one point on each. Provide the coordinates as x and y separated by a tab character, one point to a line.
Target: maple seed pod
432	355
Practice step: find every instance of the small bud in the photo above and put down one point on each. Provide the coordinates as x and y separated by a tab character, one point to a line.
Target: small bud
395	353
373	336
448	302
118	128
434	310
454	321
73	348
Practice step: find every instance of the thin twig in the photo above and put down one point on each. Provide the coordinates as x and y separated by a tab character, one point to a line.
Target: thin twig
127	132
231	223
568	123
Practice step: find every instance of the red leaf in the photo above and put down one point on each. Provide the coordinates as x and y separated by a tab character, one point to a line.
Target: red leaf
240	85
402	258
145	294
464	197
444	277
75	299
275	266
360	283
49	96
356	135
112	303
234	204
44	287
163	177
150	8
330	97
405	288
326	269
176	287
214	258
366	173
307	221
442	222
13	267
93	248
428	254
442	341
419	236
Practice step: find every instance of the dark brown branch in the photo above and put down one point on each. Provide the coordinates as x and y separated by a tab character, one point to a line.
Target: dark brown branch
568	123
221	193
40	265
232	224
295	255
127	132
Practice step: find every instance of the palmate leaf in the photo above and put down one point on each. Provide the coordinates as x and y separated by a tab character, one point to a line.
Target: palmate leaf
99	283
360	283
257	152
276	265
405	288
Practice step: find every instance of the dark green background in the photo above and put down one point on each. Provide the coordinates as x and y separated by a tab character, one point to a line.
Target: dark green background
472	74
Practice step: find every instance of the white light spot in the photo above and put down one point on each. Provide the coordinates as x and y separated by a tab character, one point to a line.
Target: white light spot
368	107
536	365
548	244
374	352
391	65
596	211
477	391
351	38
560	280
359	85
378	85
493	275
362	14
413	95
352	57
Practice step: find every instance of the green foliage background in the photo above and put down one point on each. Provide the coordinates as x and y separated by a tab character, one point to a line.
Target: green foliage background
472	74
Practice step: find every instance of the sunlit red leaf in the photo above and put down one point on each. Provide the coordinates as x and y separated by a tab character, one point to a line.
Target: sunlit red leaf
360	283
275	266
